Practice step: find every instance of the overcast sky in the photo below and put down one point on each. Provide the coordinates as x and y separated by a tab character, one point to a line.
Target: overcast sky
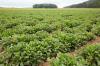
29	3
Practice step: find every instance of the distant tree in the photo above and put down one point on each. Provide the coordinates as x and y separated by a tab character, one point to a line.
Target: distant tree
87	4
44	6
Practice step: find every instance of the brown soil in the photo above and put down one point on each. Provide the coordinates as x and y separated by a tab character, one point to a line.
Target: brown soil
45	64
92	42
97	40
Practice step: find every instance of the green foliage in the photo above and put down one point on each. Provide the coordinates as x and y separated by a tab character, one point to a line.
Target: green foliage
63	60
72	41
88	56
30	36
30	53
91	54
96	30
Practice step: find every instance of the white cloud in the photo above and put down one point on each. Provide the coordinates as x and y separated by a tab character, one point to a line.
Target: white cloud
29	3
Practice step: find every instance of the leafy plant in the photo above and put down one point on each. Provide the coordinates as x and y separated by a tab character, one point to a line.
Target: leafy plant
63	60
91	55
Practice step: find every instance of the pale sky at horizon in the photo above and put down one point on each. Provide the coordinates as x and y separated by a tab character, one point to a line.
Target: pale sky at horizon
29	3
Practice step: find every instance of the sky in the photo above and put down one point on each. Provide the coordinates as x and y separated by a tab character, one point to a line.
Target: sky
29	3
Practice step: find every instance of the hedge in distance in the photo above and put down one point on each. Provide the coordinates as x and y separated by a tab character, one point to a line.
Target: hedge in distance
44	6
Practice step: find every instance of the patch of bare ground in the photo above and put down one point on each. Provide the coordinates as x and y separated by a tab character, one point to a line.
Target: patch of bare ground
97	40
45	64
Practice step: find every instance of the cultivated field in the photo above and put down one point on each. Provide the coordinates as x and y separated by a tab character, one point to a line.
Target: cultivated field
29	37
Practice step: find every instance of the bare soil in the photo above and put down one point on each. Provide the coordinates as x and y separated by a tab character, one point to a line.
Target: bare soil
97	40
45	64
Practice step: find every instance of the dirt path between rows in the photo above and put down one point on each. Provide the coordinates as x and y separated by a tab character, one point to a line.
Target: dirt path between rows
92	42
97	40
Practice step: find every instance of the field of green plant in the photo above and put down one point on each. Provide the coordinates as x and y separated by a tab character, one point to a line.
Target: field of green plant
31	36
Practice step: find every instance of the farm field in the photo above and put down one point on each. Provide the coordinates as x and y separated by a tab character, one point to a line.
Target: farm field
29	37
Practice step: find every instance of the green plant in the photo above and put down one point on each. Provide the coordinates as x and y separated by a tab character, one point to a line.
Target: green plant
63	60
91	54
96	30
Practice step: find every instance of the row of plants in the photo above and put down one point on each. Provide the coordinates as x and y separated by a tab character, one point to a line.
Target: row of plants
30	49
88	56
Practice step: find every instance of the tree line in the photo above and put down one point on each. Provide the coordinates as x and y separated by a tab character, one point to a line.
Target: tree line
87	4
44	6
